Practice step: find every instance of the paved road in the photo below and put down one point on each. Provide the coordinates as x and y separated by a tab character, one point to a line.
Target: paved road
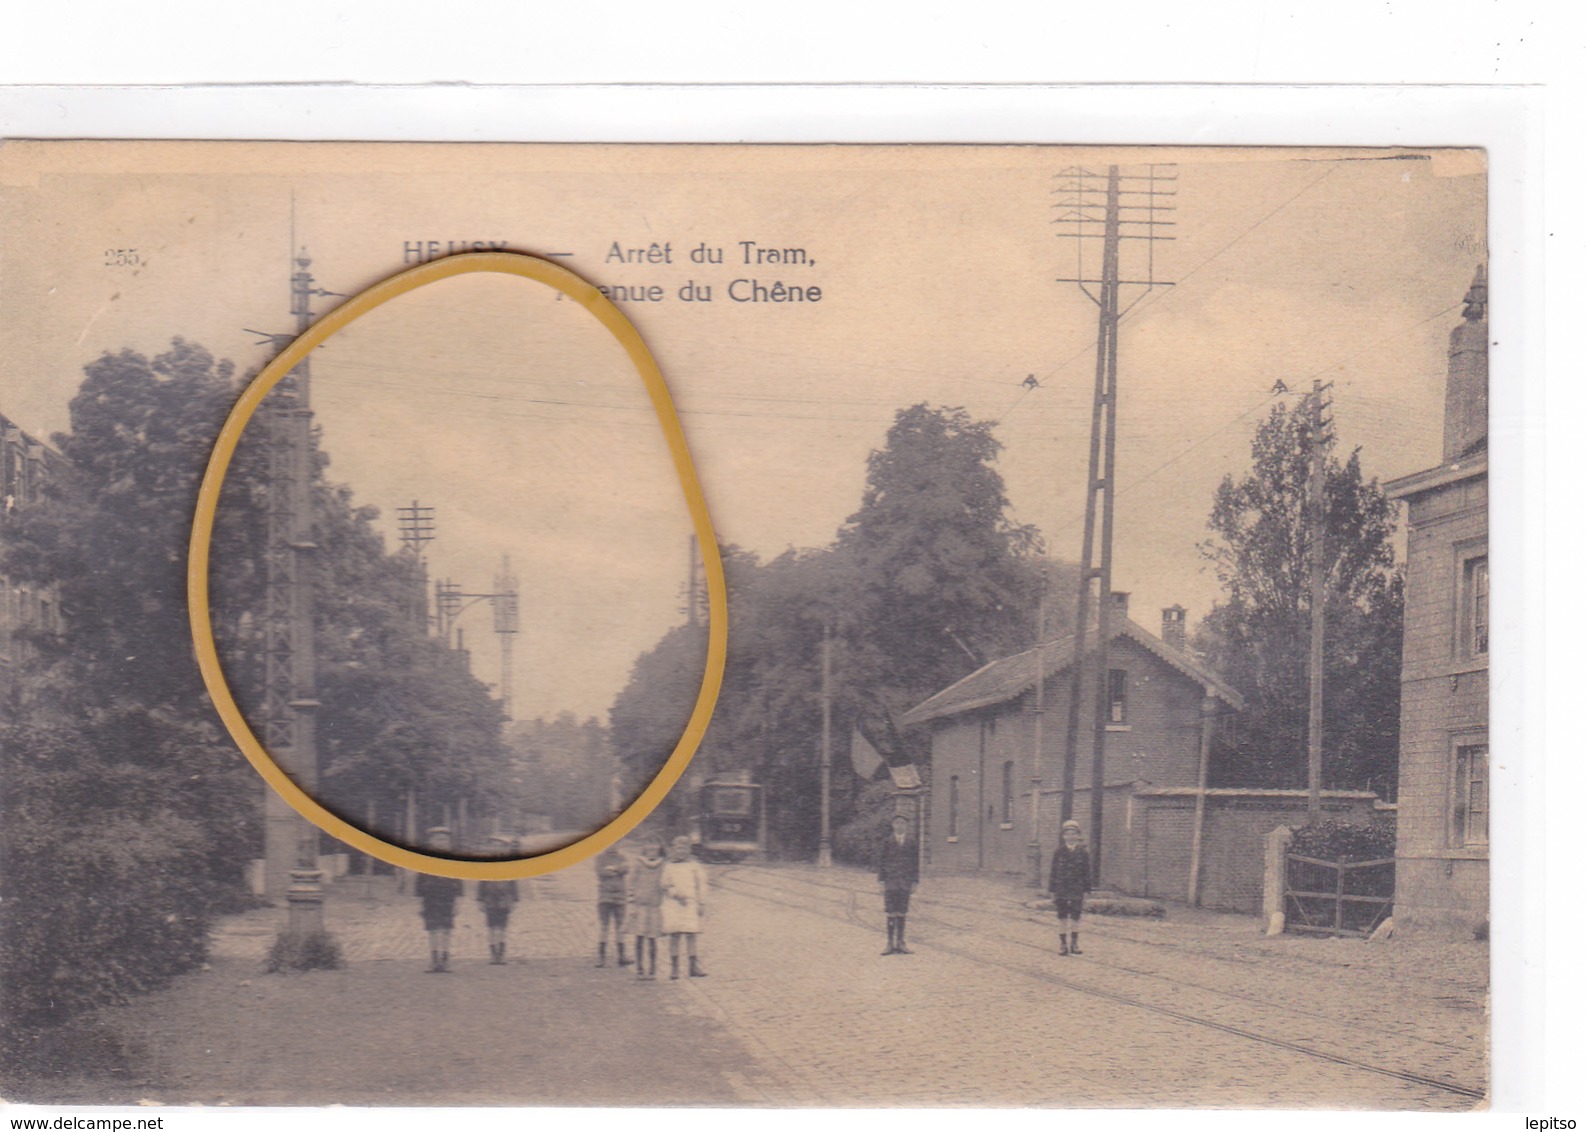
800	1009
1155	1013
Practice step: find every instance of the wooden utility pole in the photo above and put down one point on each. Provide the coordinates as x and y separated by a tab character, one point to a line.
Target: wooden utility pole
415	527
1320	439
823	851
1038	743
1092	207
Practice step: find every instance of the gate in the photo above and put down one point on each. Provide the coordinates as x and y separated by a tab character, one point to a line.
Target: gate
1338	898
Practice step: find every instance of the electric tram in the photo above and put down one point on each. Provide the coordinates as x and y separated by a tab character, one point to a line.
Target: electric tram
730	824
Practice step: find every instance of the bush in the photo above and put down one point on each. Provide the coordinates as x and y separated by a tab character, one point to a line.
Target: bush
317	951
108	887
1340	841
855	841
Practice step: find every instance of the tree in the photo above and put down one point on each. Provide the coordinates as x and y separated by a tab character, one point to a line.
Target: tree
562	767
1259	636
932	577
926	581
400	711
650	713
128	813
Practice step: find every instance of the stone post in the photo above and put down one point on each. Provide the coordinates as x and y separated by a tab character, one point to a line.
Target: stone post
1276	869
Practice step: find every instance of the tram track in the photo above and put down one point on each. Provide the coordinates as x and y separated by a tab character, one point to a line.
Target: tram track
848	911
922	915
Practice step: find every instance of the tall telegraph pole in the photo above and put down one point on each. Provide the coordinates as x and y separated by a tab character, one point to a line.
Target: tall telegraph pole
1038	737
1111	207
1319	436
416	526
823	850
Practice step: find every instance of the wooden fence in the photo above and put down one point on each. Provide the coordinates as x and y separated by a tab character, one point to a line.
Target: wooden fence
1339	898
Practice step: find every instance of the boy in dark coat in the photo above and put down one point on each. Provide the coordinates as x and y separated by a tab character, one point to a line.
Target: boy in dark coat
498	898
438	905
898	870
1070	881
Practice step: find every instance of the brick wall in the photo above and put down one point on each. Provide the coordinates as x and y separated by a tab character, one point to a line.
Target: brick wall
1232	852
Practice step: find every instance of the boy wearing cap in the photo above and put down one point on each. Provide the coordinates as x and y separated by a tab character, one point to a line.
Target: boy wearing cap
498	898
898	870
1070	880
438	905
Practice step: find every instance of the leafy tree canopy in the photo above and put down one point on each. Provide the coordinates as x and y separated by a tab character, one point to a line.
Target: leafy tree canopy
926	581
1259	635
127	812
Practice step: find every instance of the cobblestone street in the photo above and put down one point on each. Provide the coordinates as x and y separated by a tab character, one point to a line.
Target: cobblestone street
799	1008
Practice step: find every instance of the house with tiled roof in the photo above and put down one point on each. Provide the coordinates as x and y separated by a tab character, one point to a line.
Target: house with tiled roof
996	796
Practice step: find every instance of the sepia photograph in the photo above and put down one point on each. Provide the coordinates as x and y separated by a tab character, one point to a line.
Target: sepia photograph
1104	721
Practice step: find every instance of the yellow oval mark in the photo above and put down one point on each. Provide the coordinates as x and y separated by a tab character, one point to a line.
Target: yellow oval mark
569	284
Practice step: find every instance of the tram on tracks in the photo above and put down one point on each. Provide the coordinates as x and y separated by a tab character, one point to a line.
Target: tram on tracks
730	823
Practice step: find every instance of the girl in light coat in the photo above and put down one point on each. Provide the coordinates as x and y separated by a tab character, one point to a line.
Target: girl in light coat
683	892
646	918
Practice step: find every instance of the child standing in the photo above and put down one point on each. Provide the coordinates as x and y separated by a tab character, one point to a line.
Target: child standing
611	868
497	898
646	911
1070	880
438	905
898	870
683	893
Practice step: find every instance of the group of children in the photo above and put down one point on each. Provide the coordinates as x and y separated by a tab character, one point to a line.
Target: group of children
652	897
656	895
438	907
898	870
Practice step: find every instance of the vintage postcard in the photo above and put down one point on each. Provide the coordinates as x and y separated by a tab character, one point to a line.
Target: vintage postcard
1100	537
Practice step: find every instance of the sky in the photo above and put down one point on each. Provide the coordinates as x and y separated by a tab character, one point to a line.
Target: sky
520	421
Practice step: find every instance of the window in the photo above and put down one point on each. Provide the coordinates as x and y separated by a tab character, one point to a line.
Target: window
1470	796
952	807
1007	793
1474	610
738	803
1117	696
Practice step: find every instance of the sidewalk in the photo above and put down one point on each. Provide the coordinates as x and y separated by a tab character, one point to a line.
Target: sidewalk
800	1009
548	1028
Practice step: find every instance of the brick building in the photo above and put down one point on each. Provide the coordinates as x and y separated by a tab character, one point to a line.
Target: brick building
1163	710
1442	865
25	463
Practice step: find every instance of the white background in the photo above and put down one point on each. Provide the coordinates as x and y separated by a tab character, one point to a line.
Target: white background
1515	70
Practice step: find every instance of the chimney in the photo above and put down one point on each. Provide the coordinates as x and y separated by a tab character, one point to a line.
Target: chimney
1173	626
1120	606
1465	403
